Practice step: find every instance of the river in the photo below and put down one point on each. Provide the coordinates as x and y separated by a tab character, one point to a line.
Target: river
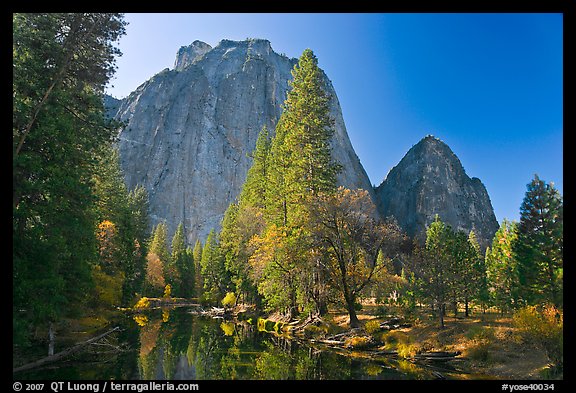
178	345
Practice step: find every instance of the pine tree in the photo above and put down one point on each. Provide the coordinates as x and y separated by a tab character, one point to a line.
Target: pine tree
539	247
301	165
196	259
61	64
479	281
182	264
214	275
254	189
299	168
435	266
159	242
502	269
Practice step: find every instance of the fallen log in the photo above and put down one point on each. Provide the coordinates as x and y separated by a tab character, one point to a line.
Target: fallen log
438	356
63	354
329	342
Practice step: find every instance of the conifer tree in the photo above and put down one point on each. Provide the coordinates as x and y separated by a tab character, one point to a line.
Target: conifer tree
61	64
435	266
183	264
301	165
539	247
254	189
502	269
196	258
159	242
214	275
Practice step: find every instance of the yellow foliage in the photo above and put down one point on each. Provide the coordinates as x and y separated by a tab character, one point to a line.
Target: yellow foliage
545	322
406	349
229	300
358	342
165	315
372	327
106	234
141	320
144	302
227	328
167	290
154	271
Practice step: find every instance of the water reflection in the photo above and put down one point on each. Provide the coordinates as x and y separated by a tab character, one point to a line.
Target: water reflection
184	346
177	345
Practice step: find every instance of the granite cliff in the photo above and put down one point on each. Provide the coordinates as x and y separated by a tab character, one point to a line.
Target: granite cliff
430	180
189	130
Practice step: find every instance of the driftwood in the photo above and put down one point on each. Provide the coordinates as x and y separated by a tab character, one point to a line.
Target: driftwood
438	356
63	354
328	342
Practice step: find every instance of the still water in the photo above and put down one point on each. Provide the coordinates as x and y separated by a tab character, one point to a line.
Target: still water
178	345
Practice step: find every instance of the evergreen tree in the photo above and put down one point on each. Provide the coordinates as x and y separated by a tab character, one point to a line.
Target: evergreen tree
299	168
128	212
502	269
254	189
479	281
240	224
159	242
539	247
244	219
182	264
138	229
196	259
61	64
472	276
301	165
214	275
434	266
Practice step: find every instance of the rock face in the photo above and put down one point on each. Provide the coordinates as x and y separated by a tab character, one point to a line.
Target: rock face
189	130
430	180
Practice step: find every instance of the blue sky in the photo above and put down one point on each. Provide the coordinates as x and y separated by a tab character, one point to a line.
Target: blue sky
489	85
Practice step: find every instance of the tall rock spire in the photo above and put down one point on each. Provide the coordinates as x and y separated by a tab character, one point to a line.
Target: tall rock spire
430	180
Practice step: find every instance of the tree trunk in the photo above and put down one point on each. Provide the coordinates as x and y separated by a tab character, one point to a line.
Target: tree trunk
441	310
50	339
63	354
467	314
354	322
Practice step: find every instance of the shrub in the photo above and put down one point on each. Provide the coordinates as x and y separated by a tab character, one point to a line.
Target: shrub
144	302
229	300
228	328
406	349
359	342
372	327
480	351
312	331
265	325
167	291
382	310
543	327
141	320
480	333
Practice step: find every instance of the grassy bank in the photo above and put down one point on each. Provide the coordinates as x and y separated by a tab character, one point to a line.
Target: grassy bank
489	345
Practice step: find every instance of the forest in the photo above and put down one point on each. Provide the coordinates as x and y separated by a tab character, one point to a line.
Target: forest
294	244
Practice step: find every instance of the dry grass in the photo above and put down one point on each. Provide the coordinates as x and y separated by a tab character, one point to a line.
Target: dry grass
488	343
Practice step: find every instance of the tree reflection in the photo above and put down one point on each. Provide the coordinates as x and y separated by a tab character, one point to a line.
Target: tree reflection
194	348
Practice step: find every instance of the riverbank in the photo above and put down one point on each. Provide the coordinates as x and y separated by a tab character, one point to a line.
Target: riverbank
482	346
479	347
